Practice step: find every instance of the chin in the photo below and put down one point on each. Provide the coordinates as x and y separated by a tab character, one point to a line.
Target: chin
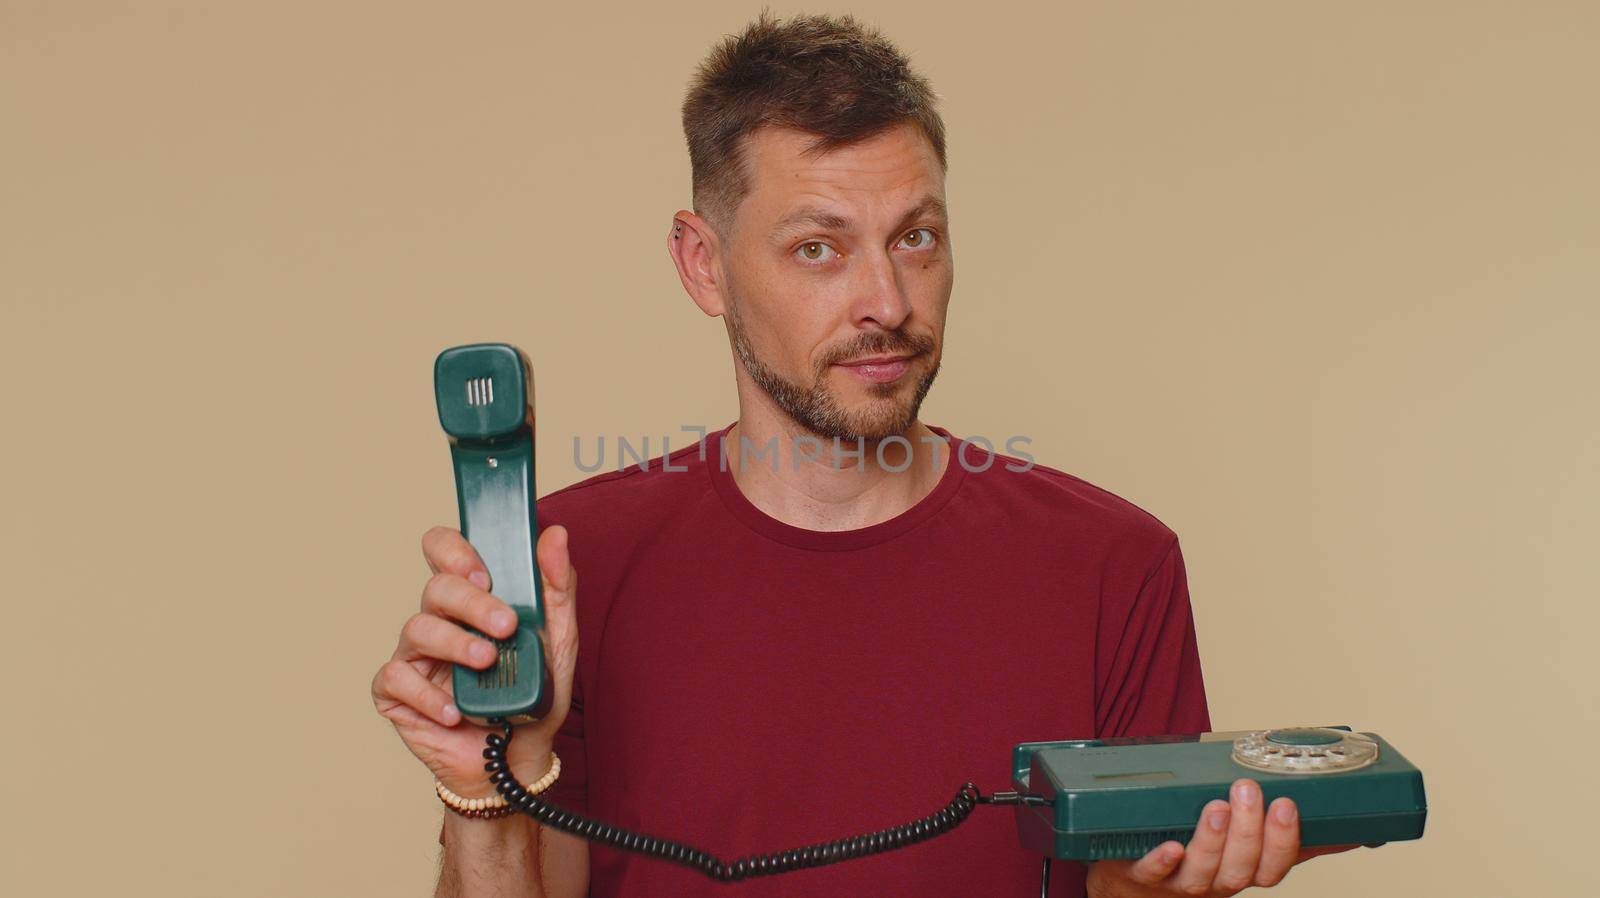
875	420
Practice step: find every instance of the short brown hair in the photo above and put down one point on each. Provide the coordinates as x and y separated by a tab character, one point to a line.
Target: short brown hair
824	75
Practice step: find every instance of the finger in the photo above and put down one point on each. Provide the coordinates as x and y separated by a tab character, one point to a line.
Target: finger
560	632
1157	864
448	552
399	685
1280	843
1204	852
430	636
448	595
555	564
1242	852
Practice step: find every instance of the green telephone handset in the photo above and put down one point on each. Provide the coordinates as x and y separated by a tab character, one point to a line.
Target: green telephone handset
485	396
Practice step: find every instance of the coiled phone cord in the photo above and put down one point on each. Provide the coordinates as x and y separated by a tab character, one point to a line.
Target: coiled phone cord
937	823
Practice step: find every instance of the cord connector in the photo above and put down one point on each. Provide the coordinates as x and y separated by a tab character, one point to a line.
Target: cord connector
1013	798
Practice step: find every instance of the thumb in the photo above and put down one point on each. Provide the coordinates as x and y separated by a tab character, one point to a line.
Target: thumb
560	580
560	633
555	566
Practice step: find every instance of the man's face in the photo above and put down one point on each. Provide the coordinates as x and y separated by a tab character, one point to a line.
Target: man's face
838	275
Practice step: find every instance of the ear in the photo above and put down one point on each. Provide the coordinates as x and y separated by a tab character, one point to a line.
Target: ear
693	246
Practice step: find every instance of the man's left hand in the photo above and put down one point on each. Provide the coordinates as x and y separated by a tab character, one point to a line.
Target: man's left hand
1235	846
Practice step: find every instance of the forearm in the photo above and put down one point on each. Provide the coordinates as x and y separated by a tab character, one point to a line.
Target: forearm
490	858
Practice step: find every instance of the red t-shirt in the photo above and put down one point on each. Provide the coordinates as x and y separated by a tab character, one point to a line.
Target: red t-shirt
747	686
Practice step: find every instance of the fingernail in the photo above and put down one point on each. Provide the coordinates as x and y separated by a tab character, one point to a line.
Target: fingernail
479	579
1284	812
1243	795
504	620
452	715
1218	820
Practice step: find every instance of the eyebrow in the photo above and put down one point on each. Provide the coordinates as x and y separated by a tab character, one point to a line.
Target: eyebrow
826	219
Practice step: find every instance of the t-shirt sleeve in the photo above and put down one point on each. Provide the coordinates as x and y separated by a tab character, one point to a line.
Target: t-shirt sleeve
1148	680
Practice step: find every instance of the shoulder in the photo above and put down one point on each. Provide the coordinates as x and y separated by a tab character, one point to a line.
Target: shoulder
614	510
1053	501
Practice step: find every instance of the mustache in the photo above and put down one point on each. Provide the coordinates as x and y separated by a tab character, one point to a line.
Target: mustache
869	345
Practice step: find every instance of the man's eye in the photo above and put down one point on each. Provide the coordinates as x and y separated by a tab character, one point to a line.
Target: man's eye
816	251
918	238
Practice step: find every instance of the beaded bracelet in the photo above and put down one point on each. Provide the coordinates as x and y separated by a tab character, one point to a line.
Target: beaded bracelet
494	806
491	808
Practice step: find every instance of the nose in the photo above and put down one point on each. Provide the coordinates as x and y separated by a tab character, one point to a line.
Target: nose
879	297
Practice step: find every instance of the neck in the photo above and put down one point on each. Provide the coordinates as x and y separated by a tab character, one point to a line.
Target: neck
804	481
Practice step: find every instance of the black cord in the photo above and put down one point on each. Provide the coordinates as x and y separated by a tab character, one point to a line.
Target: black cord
942	821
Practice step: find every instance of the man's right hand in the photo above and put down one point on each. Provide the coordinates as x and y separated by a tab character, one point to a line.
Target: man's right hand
413	688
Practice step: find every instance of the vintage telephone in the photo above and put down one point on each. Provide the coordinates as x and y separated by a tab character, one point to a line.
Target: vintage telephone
1079	800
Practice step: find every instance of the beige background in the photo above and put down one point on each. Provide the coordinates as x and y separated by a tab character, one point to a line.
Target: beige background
1312	282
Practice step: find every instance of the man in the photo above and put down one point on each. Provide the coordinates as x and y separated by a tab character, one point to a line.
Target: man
825	617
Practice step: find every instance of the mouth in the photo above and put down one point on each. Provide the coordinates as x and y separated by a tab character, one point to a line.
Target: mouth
879	369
